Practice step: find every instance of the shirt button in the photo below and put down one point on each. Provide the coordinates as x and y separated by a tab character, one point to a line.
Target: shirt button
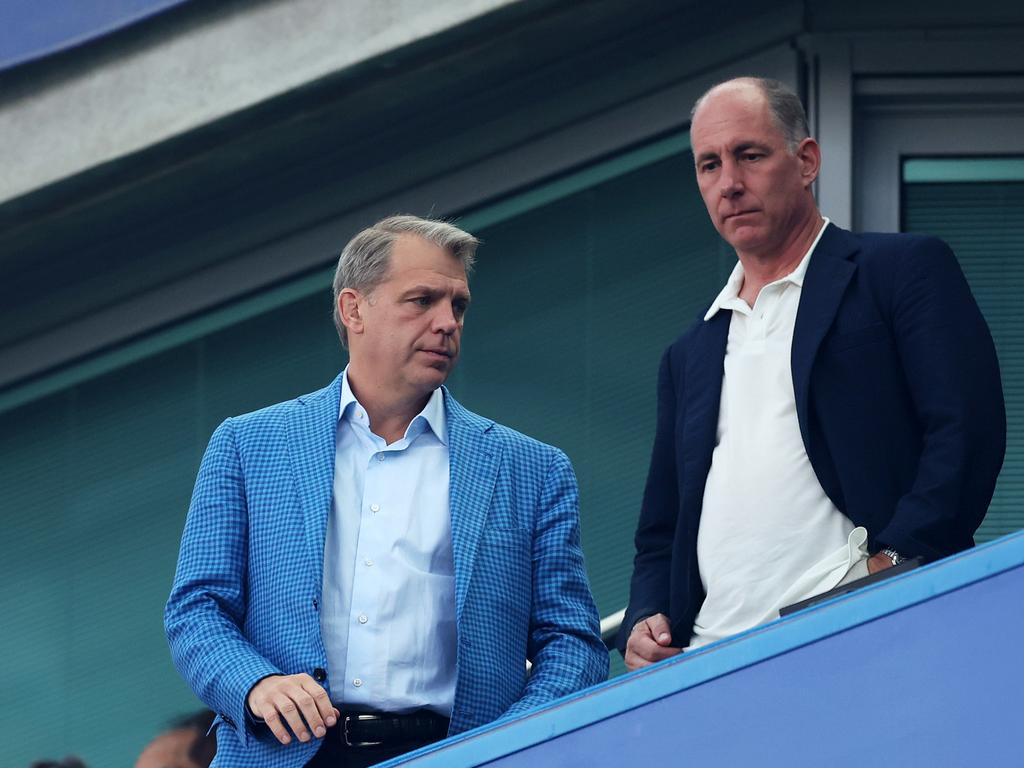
380	457
368	563
375	507
359	414
357	682
362	618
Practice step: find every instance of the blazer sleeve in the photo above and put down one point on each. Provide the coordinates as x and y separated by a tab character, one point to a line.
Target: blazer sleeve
649	590
564	644
207	604
952	373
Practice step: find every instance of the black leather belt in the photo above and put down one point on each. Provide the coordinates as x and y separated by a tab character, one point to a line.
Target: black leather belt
382	729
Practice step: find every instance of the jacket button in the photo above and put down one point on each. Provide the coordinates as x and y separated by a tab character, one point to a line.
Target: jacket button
319	674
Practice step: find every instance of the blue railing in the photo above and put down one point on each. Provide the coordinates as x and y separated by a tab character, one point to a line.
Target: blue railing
925	668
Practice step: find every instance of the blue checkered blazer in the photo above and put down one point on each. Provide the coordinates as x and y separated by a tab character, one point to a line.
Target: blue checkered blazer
247	589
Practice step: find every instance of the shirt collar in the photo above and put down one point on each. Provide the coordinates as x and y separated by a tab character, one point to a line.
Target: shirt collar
731	292
432	416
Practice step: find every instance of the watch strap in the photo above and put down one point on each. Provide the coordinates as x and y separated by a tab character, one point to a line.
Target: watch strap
894	556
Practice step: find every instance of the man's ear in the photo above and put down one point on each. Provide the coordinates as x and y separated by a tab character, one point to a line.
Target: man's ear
350	311
808	152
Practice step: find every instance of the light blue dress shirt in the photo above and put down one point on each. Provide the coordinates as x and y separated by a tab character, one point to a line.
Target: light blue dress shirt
388	613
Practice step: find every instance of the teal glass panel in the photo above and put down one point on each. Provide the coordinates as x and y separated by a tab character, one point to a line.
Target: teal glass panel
960	170
96	482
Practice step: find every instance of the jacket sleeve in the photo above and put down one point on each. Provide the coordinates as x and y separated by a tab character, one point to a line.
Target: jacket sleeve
207	605
564	644
952	373
655	534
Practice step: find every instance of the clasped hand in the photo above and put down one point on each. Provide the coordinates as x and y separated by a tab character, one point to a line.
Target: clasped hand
649	642
295	702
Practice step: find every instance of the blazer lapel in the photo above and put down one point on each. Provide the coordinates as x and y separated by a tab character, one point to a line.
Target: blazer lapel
705	364
828	274
311	442
474	455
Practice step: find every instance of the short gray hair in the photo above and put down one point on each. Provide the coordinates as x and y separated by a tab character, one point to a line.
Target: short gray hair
364	262
783	104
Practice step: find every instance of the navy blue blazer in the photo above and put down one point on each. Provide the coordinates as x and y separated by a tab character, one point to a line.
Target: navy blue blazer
899	402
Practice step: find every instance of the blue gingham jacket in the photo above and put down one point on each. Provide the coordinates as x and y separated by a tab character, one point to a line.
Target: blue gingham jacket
247	589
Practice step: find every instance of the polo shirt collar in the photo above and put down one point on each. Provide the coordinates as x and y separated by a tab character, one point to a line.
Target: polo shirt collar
730	294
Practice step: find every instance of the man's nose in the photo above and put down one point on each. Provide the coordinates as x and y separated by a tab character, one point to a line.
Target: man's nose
730	183
731	187
445	320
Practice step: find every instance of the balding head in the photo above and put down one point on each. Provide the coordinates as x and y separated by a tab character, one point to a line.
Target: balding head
783	104
755	184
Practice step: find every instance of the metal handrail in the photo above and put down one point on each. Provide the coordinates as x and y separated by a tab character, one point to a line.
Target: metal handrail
610	628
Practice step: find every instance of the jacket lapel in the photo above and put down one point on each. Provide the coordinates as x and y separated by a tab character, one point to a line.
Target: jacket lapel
311	442
828	274
474	455
705	364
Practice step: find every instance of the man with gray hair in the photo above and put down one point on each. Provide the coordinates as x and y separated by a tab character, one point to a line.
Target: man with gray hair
836	409
369	568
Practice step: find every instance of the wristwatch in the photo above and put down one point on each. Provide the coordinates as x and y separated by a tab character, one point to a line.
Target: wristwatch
893	555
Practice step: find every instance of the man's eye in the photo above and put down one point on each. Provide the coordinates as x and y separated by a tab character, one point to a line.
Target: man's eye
705	167
753	157
422	301
459	309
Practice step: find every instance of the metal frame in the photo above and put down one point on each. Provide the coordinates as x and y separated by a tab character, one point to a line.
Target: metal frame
939	118
876	97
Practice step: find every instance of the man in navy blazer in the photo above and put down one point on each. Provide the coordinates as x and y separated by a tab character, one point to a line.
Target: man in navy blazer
837	409
370	567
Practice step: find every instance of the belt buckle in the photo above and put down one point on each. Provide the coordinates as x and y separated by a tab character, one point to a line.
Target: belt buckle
348	742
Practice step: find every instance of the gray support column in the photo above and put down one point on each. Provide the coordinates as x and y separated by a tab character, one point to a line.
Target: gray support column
831	114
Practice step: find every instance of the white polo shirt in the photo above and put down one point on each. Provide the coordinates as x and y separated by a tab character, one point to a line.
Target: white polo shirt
769	535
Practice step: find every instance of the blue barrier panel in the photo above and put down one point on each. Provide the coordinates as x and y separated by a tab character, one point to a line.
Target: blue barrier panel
32	29
922	669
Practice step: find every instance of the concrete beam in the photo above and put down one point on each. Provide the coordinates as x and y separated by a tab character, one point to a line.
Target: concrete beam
245	54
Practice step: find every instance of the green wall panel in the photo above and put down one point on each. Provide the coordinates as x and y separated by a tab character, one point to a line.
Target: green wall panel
96	481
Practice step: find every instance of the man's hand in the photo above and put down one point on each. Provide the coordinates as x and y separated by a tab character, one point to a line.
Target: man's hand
649	642
295	700
879	562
